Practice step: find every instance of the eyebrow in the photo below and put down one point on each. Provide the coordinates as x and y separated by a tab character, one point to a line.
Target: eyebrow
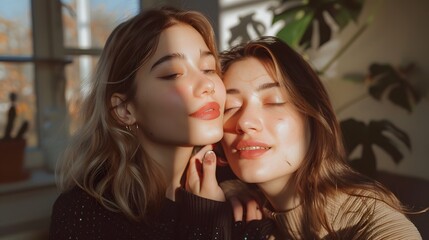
260	88
169	57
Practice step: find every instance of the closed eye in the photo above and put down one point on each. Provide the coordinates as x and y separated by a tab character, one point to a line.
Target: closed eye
276	103
171	76
209	71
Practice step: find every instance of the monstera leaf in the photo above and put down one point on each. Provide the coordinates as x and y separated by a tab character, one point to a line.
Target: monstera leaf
384	78
356	133
299	16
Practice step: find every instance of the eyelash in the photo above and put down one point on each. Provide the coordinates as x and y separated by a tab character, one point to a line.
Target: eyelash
269	104
177	75
171	76
276	104
209	71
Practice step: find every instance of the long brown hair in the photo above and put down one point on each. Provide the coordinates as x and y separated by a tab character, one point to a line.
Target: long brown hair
325	170
103	158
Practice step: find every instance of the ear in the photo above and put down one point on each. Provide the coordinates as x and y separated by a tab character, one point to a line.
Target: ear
122	110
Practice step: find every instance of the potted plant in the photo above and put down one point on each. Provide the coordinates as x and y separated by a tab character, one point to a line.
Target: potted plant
12	148
383	81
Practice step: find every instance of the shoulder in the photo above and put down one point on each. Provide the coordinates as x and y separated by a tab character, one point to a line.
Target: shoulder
76	213
74	200
364	212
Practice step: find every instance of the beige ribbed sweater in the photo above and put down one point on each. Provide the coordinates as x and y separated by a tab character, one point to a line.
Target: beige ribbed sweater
352	217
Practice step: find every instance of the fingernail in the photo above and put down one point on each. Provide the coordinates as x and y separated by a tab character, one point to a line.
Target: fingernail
209	157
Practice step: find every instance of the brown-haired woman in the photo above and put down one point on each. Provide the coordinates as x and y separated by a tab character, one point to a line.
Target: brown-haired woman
281	134
155	95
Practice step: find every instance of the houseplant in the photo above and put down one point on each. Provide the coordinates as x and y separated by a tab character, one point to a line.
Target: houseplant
12	148
382	79
307	25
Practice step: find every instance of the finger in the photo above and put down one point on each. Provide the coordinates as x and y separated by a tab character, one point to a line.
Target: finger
194	171
193	176
258	213
252	211
237	209
209	170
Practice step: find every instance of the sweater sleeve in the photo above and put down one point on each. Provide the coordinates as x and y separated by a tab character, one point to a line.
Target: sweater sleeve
387	223
370	218
202	218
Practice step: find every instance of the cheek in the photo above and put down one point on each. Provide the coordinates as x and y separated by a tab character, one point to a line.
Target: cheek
174	98
293	135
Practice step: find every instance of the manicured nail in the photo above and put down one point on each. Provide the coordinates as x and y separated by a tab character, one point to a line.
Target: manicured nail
209	157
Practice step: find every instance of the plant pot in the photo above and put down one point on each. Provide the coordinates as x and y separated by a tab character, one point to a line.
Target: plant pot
12	153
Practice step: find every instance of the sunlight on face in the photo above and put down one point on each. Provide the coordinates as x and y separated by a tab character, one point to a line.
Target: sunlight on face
265	137
180	97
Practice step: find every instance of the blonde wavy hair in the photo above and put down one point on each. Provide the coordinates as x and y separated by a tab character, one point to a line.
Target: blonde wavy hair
103	158
325	170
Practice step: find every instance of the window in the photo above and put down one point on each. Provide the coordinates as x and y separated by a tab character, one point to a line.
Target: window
86	26
16	72
48	62
243	20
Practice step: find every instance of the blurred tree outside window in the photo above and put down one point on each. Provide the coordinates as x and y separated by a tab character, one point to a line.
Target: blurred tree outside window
17	76
86	26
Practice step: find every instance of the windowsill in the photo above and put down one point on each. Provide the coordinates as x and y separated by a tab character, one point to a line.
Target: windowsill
26	206
37	179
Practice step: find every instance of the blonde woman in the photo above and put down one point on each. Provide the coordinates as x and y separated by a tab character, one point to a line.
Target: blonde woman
282	136
156	94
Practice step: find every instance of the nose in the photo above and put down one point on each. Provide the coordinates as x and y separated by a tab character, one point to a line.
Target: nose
249	121
204	86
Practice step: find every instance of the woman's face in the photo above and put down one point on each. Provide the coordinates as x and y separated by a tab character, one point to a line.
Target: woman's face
180	97
265	137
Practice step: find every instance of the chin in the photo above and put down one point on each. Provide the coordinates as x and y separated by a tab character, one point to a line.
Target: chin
251	176
205	138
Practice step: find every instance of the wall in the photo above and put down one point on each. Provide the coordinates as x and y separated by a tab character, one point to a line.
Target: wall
398	35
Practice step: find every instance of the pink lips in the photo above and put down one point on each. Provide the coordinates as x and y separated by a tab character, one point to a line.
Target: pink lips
252	149
207	112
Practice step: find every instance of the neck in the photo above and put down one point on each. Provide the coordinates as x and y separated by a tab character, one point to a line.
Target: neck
172	159
280	193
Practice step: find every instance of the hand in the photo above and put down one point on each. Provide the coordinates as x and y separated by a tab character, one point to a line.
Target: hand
253	211
201	175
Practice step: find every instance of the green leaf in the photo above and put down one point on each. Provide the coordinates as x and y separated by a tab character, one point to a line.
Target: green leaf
325	30
353	77
295	29
340	16
353	7
342	11
289	14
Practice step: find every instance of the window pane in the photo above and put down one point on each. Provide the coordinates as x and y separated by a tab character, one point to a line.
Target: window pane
16	40
18	78
78	75
87	23
241	21
15	25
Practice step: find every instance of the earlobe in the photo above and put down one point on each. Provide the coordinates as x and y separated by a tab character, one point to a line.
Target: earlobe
121	111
